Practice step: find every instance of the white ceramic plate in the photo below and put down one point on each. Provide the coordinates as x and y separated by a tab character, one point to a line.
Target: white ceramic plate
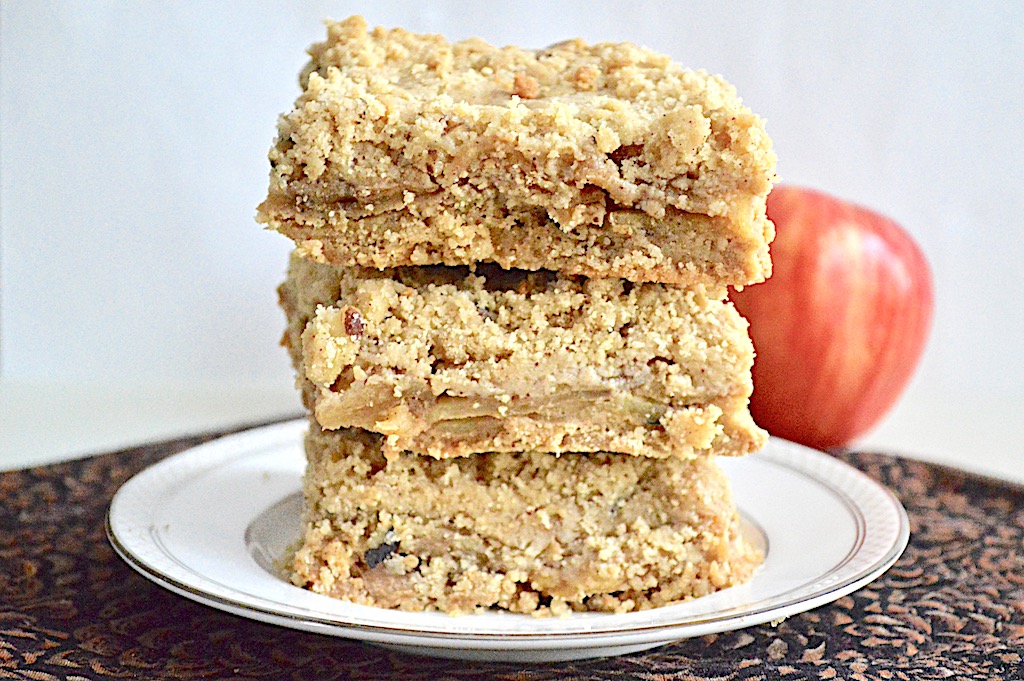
211	523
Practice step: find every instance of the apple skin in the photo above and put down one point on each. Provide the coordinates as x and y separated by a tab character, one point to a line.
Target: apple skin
839	327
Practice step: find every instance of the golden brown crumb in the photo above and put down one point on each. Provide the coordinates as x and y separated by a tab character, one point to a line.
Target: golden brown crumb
585	78
526	86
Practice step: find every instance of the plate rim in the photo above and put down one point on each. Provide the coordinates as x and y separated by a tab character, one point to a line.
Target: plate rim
782	453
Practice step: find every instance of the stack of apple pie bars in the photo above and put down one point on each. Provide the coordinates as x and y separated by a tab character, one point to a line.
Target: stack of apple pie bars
507	311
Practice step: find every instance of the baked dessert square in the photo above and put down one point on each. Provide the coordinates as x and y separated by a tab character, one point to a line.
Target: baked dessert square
445	361
524	532
605	160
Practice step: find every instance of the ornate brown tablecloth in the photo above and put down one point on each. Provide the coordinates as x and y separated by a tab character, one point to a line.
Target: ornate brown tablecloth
952	607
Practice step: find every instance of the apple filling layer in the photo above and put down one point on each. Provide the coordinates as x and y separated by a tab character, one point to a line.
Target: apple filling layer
448	362
677	247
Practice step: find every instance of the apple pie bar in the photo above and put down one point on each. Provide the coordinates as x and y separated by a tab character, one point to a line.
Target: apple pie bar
446	361
507	312
526	532
605	160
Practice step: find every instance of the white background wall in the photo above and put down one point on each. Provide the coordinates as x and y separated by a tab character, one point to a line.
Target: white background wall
137	295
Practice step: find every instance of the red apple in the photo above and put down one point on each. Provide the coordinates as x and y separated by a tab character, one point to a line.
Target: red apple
841	324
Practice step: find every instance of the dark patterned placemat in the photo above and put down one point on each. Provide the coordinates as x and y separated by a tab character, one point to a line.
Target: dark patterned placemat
952	607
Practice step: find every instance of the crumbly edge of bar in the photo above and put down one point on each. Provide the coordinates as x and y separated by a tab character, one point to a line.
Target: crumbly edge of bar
395	116
449	363
524	532
679	248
